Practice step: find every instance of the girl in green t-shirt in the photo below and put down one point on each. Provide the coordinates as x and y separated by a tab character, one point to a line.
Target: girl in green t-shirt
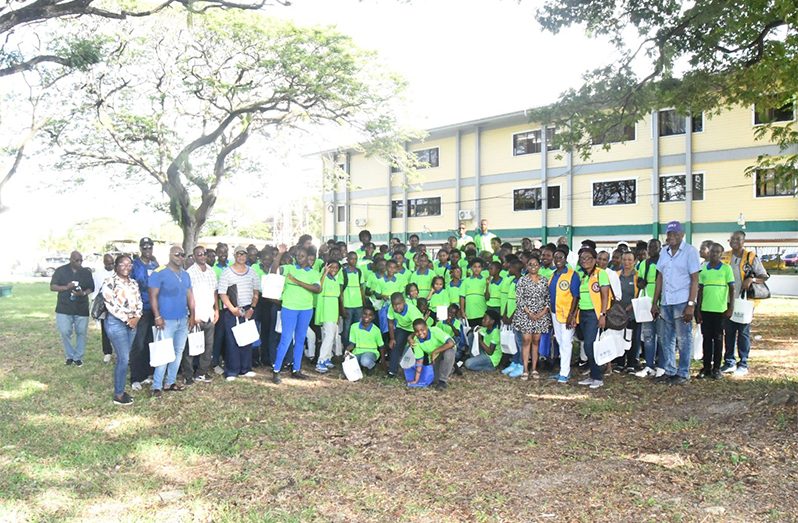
490	352
328	311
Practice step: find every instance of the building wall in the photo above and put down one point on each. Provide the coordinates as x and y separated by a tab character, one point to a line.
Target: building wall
721	152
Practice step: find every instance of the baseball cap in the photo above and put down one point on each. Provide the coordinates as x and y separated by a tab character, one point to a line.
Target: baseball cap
674	226
240	248
145	241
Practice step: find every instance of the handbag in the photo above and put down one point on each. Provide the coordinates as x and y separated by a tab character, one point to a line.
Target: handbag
743	311
245	333
608	347
642	309
351	368
196	342
272	286
758	291
98	308
508	340
408	360
442	312
162	350
698	343
475	342
426	378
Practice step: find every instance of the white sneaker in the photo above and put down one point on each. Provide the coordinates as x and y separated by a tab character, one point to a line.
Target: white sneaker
659	372
645	373
596	384
741	371
107	358
218	369
135	385
588	381
250	374
148	381
230	378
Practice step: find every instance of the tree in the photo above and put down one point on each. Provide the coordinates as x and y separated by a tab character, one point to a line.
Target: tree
177	108
704	56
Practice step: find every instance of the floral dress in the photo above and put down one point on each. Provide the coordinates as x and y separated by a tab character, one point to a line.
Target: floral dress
535	297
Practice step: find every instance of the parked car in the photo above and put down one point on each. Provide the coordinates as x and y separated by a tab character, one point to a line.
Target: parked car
790	259
49	264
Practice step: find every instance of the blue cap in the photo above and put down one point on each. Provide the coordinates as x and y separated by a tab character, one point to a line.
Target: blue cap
674	226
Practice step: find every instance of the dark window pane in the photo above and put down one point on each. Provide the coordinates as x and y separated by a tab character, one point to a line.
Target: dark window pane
615	193
341	213
766	185
554	197
698	187
615	135
421	207
397	209
428	156
526	199
670	123
785	113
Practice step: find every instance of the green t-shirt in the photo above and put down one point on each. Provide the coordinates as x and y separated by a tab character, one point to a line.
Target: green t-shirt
327	304
648	272
508	296
387	286
257	269
482	241
473	290
546	272
318	265
365	340
454	292
715	284
493	337
373	282
295	297
446	326
438	298
352	282
585	302
423	282
363	263
495	289
435	338
440	270
218	269
404	277
404	320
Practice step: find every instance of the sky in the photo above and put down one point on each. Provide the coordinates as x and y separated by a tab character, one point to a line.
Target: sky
462	60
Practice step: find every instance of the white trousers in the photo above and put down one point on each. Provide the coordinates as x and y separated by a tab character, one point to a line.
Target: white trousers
330	340
565	337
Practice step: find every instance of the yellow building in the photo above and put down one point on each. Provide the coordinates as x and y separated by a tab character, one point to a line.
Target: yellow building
499	168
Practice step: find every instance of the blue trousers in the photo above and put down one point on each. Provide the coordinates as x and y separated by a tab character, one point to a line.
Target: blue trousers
295	327
652	342
237	360
67	324
674	327
741	334
589	323
166	375
351	315
121	338
400	335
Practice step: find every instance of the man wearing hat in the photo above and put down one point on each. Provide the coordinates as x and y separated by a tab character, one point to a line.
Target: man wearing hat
677	287
143	267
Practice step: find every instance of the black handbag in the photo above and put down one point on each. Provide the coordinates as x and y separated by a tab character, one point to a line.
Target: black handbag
617	317
758	291
98	309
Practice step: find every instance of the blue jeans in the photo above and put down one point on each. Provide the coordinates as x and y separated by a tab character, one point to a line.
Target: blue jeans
589	323
121	337
295	328
652	342
178	331
740	333
480	362
519	342
367	360
673	328
351	315
400	336
66	324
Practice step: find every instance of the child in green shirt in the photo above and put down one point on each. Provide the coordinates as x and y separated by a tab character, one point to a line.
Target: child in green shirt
493	296
365	340
490	353
715	304
472	294
435	346
328	311
401	316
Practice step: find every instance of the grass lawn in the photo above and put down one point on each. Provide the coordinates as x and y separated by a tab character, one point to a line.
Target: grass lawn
487	449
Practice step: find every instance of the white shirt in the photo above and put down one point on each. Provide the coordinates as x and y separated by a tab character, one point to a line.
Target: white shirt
203	284
615	283
99	277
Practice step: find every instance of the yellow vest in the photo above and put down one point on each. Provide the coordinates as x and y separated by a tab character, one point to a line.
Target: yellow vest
564	298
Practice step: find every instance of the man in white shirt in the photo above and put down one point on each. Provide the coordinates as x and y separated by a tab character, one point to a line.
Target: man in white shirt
206	314
463	239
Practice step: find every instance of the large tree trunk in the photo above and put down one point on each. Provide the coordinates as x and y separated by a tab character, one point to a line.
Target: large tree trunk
190	236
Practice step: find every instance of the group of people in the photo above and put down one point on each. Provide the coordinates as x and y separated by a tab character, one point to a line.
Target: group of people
419	316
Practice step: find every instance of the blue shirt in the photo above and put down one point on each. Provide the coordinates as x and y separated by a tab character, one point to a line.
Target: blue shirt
172	300
575	282
141	273
676	269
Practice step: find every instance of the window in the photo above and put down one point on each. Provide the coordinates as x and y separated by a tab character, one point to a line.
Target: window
673	188
767	185
429	157
785	113
616	134
397	209
421	207
529	142
532	200
670	123
621	192
341	214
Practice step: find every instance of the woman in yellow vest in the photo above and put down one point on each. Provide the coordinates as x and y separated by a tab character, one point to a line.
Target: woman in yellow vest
564	296
593	301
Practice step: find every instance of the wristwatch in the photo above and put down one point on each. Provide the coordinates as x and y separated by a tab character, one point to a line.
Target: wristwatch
691	303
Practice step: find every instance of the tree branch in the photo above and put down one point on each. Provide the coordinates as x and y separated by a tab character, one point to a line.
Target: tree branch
33	62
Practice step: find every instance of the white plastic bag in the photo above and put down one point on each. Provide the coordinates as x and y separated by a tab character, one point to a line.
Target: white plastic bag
508	340
698	343
475	342
278	325
272	286
442	312
743	311
408	360
351	368
162	350
245	333
642	309
196	342
608	347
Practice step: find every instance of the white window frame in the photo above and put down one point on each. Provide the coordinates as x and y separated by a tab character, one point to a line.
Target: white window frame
655	132
526	187
760	198
512	141
605	143
754	124
702	173
414	197
617	179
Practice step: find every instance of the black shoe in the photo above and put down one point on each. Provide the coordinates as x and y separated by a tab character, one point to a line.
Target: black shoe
717	374
664	379
69	362
298	375
441	385
78	363
678	380
390	375
124	399
582	364
276	379
703	374
458	371
189	381
156	393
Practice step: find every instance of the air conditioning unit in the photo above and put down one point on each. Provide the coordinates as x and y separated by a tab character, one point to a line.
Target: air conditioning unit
465	215
360	222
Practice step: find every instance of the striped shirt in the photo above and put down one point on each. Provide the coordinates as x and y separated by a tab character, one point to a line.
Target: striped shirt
204	285
246	284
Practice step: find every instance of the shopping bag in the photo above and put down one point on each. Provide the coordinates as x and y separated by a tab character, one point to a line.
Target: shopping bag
196	342
162	350
642	309
508	340
743	311
465	327
442	312
245	333
408	360
608	347
278	324
475	343
351	368
698	343
426	378
272	286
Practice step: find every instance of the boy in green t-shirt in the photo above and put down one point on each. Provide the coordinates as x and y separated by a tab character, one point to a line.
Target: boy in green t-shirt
435	346
353	293
715	303
365	341
493	296
472	294
422	276
401	316
490	352
328	310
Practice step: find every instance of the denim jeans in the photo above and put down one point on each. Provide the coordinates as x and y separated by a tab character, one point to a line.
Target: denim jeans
121	337
673	328
400	335
178	331
295	328
67	324
741	334
351	315
589	323
480	362
652	342
519	342
367	360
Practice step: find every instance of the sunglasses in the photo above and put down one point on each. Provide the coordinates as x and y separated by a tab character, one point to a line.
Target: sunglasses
241	253
180	254
201	253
